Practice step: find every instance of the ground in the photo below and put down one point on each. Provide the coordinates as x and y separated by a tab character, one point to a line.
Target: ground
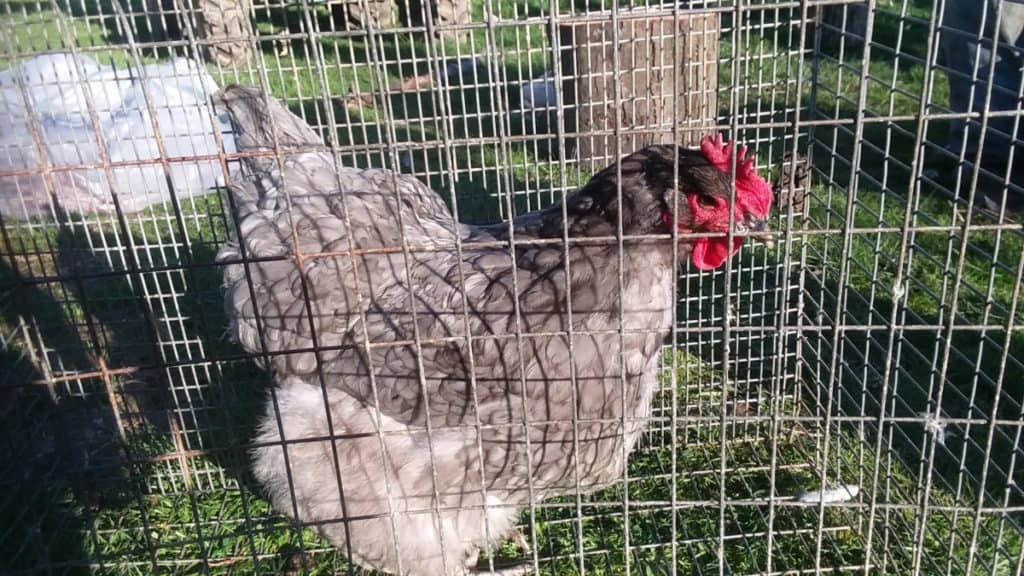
172	497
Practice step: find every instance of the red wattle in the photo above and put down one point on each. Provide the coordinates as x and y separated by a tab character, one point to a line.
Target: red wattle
710	253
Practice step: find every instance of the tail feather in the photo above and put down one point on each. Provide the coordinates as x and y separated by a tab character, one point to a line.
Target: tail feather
260	122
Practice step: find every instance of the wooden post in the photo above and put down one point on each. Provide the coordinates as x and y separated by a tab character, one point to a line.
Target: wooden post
645	49
226	24
446	13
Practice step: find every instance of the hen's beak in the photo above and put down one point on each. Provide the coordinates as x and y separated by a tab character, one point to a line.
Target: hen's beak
757	228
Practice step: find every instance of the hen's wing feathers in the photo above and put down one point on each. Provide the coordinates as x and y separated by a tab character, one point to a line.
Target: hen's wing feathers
299	210
448	358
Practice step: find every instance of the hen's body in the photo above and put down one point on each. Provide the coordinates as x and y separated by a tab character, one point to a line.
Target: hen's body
500	419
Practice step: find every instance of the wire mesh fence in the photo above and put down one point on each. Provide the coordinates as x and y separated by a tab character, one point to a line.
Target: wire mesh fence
848	400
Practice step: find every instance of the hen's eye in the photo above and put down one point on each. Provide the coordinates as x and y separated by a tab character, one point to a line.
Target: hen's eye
706	201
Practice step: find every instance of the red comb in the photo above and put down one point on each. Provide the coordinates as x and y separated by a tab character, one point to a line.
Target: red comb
720	154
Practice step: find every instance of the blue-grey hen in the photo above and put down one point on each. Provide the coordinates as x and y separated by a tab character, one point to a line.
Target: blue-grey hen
447	376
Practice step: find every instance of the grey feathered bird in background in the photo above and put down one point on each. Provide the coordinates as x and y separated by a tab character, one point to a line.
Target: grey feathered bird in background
438	445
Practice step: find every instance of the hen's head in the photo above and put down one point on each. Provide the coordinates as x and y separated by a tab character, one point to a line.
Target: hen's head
702	199
705	197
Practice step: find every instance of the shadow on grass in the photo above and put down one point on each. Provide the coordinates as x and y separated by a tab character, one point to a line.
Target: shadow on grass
90	444
44	525
974	365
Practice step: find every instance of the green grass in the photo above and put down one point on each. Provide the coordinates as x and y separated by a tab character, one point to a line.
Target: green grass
134	515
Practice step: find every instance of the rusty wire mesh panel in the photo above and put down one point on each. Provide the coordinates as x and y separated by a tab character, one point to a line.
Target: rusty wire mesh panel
848	401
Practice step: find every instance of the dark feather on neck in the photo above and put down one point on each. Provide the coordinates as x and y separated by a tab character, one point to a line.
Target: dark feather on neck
593	210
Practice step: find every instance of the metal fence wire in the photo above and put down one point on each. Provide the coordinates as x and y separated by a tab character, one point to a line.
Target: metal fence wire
848	401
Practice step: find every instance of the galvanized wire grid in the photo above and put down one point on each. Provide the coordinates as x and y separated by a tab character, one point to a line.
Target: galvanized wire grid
875	347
